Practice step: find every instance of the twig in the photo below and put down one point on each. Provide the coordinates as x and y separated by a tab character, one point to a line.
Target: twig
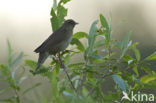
104	76
64	67
17	96
83	77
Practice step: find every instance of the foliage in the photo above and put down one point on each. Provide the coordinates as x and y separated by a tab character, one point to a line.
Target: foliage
13	73
104	58
89	75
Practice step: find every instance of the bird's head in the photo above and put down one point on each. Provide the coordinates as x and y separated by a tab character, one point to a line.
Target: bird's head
70	23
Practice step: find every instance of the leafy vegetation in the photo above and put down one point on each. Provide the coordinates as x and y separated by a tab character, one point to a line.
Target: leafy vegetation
104	58
13	73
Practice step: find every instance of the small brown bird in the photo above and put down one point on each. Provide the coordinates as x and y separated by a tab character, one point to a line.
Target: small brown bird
56	42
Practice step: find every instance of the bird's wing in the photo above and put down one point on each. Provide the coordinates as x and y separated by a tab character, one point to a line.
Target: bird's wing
51	41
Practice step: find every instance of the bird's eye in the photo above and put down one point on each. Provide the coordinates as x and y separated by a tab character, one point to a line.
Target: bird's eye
69	22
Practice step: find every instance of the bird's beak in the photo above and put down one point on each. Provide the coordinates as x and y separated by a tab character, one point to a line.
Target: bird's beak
76	23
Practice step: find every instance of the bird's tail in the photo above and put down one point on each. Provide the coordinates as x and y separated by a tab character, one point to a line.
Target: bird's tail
42	57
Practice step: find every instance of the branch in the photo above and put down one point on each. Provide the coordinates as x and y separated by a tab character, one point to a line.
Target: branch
104	76
64	67
83	77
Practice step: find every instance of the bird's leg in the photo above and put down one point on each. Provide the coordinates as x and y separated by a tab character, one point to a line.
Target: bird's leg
64	67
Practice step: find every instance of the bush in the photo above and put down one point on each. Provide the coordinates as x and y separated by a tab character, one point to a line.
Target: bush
103	57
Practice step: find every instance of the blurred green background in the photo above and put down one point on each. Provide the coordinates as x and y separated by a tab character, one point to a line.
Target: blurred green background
26	23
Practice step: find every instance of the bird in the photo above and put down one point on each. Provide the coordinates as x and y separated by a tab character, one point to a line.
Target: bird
58	41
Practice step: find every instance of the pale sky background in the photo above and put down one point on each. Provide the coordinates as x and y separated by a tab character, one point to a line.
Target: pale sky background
26	23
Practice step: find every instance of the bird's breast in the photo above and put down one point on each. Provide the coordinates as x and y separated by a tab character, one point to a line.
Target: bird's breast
64	44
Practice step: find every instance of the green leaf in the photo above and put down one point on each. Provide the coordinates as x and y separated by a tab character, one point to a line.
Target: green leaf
91	39
21	80
31	63
151	85
68	94
18	59
55	5
54	83
148	78
125	44
4	69
9	53
54	21
67	58
128	59
135	69
137	53
78	44
96	56
76	64
64	1
20	75
31	88
151	57
80	35
61	14
57	67
146	69
104	22
92	34
105	25
110	22
120	82
127	40
86	53
99	43
4	90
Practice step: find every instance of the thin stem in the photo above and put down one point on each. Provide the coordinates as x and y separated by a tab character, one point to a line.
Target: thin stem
83	77
17	96
64	67
107	75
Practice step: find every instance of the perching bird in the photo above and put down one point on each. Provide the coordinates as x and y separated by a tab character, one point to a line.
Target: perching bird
56	42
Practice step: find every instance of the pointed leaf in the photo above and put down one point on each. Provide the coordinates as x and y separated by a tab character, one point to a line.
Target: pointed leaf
135	69
125	44
120	82
21	80
99	43
68	94
105	25
104	22
61	14
28	89
31	63
80	35
55	5
151	57
64	1
9	53
18	59
137	53
92	34
91	38
54	21
78	44
148	78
